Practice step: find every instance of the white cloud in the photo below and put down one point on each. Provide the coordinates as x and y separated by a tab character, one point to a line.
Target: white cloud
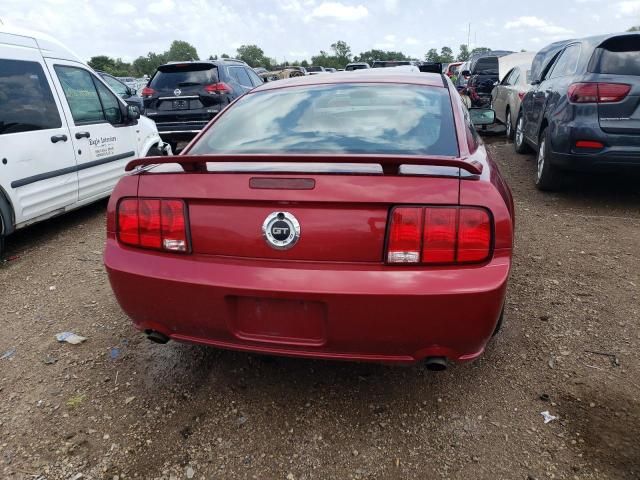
537	24
411	41
391	6
339	11
161	7
390	38
122	8
629	7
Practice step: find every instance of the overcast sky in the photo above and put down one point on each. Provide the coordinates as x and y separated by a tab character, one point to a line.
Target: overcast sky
297	29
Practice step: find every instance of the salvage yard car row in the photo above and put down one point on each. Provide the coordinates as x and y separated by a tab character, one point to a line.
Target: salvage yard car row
320	215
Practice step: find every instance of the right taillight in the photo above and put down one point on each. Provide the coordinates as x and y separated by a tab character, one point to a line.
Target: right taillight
598	92
219	87
158	224
439	235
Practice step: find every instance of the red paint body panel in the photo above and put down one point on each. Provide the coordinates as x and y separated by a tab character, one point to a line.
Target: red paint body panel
331	296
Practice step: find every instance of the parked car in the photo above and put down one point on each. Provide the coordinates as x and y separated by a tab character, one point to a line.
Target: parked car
321	221
129	82
260	70
298	68
507	96
315	69
65	136
391	63
357	66
330	70
582	112
125	92
452	69
484	72
183	96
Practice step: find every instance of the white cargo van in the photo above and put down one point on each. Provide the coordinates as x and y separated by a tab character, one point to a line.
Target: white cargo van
65	136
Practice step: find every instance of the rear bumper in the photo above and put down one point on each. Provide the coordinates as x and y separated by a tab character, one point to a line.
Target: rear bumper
356	312
621	152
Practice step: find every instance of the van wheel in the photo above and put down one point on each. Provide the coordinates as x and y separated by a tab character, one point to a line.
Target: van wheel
548	178
519	143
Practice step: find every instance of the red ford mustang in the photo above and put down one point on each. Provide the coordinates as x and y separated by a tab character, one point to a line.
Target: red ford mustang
347	216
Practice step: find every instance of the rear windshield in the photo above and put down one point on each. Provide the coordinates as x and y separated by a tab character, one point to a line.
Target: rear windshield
620	56
486	66
390	63
314	69
168	78
352	119
355	67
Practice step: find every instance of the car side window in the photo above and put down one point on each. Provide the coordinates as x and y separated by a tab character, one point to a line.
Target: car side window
240	75
567	64
110	104
26	100
117	86
515	77
81	94
255	79
507	79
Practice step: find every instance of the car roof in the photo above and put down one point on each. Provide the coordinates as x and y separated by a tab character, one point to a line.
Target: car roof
48	46
363	76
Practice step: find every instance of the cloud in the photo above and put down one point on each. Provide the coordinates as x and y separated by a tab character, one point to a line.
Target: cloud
537	24
339	11
391	6
411	41
161	7
122	8
629	7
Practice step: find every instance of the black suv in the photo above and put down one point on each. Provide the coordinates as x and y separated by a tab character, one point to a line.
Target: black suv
484	73
182	97
583	111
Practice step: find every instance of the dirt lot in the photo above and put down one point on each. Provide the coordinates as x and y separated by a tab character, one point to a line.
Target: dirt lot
148	411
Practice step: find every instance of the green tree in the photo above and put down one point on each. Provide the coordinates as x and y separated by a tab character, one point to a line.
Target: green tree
252	55
463	56
634	29
371	55
480	50
446	55
224	55
148	65
213	57
432	55
180	51
304	64
102	63
342	51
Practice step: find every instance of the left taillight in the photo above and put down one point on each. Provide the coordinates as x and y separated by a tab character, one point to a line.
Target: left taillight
439	235
158	224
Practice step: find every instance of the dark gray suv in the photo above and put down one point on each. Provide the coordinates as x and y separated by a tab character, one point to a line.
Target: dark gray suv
583	111
182	97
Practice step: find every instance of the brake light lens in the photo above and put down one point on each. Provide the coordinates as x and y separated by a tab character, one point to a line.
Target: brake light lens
592	144
405	236
153	223
521	95
147	92
219	87
439	235
598	92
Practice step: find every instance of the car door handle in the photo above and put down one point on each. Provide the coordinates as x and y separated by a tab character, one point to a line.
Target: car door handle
59	138
80	135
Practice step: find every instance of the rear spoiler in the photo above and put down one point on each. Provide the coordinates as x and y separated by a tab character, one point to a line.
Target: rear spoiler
390	164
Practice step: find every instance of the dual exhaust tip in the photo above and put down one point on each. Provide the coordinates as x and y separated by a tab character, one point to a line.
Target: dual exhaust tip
433	364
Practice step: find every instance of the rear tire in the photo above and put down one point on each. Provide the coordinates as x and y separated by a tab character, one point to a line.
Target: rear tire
509	122
520	143
548	177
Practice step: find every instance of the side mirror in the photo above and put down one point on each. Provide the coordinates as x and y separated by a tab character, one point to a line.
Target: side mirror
133	112
495	84
482	116
466	73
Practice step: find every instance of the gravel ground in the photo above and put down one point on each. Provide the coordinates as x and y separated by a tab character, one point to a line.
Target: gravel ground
120	407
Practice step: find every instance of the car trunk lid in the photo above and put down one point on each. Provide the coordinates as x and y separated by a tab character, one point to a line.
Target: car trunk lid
617	63
342	216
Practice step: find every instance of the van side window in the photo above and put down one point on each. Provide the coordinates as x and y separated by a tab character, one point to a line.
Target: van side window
26	101
567	64
110	104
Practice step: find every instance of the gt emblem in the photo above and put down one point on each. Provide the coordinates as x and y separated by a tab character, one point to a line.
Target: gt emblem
281	230
177	92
